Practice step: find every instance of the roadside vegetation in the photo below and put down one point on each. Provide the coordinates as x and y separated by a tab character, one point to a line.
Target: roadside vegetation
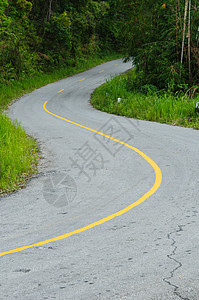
18	155
148	103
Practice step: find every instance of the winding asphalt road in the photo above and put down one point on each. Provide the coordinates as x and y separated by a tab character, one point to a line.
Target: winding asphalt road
143	241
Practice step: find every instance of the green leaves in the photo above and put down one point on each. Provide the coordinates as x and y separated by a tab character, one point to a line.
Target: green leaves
58	30
154	38
41	35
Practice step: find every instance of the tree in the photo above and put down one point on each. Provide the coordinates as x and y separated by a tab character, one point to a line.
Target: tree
162	46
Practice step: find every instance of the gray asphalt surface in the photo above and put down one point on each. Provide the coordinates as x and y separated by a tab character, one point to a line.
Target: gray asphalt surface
150	252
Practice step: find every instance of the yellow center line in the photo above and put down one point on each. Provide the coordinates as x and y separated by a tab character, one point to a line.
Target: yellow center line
101	71
61	91
82	79
157	183
115	64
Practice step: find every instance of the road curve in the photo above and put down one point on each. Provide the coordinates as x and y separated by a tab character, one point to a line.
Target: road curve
85	176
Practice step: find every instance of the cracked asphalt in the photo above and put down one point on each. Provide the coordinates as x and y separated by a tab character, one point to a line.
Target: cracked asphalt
150	252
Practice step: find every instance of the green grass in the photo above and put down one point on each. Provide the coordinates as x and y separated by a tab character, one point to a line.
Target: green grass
161	106
19	152
18	155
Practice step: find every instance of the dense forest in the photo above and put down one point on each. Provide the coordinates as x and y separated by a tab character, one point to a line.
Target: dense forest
40	35
162	38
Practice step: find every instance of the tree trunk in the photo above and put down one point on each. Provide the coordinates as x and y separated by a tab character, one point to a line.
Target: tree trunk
49	12
189	40
184	30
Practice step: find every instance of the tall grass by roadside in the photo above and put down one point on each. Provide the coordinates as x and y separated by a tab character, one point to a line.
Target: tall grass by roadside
146	104
18	155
